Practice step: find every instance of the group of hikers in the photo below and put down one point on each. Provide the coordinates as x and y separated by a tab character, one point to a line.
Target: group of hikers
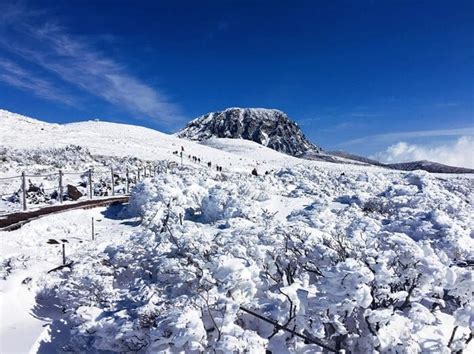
196	159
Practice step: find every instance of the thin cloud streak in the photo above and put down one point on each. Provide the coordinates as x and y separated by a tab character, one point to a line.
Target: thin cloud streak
16	76
79	63
391	137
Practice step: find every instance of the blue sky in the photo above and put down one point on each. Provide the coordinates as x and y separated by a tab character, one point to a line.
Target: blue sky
361	76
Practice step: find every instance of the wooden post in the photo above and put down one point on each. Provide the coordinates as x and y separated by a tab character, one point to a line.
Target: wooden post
113	184
181	219
144	172
93	231
64	253
90	184
61	186
127	185
149	167
23	189
139	175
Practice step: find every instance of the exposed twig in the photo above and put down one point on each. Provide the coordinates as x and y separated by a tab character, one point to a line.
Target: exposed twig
67	265
279	326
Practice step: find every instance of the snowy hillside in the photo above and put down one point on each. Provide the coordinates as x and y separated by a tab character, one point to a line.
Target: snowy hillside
121	140
304	256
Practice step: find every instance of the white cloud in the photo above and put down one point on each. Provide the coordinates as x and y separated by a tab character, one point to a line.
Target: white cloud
14	75
377	139
79	63
458	153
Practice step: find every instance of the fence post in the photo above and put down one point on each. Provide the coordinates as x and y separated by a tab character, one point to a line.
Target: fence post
90	184
127	185
64	253
113	185
23	189
61	186
93	231
149	167
144	172
139	174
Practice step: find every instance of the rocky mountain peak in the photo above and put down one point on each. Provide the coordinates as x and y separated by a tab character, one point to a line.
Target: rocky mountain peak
269	127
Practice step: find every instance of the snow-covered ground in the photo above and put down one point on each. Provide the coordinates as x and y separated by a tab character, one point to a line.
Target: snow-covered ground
355	257
26	312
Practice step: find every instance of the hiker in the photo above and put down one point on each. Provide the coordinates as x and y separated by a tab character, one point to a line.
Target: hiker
254	172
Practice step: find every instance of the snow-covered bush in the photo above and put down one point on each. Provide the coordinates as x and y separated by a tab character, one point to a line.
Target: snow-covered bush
369	264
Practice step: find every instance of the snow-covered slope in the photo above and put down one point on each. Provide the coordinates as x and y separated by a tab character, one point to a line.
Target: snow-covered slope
101	138
121	140
269	127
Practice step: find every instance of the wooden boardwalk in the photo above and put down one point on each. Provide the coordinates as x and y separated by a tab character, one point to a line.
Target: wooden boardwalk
16	220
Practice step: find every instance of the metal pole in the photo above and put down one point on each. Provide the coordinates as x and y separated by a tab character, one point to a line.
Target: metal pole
23	188
60	186
90	184
113	185
64	253
93	231
127	185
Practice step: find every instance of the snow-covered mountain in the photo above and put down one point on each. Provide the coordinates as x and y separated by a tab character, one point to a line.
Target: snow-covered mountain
274	129
269	127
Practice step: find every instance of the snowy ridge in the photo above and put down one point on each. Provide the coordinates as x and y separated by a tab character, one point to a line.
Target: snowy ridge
429	166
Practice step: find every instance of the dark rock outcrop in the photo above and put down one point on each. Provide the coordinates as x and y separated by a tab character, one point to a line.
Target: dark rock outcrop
269	127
